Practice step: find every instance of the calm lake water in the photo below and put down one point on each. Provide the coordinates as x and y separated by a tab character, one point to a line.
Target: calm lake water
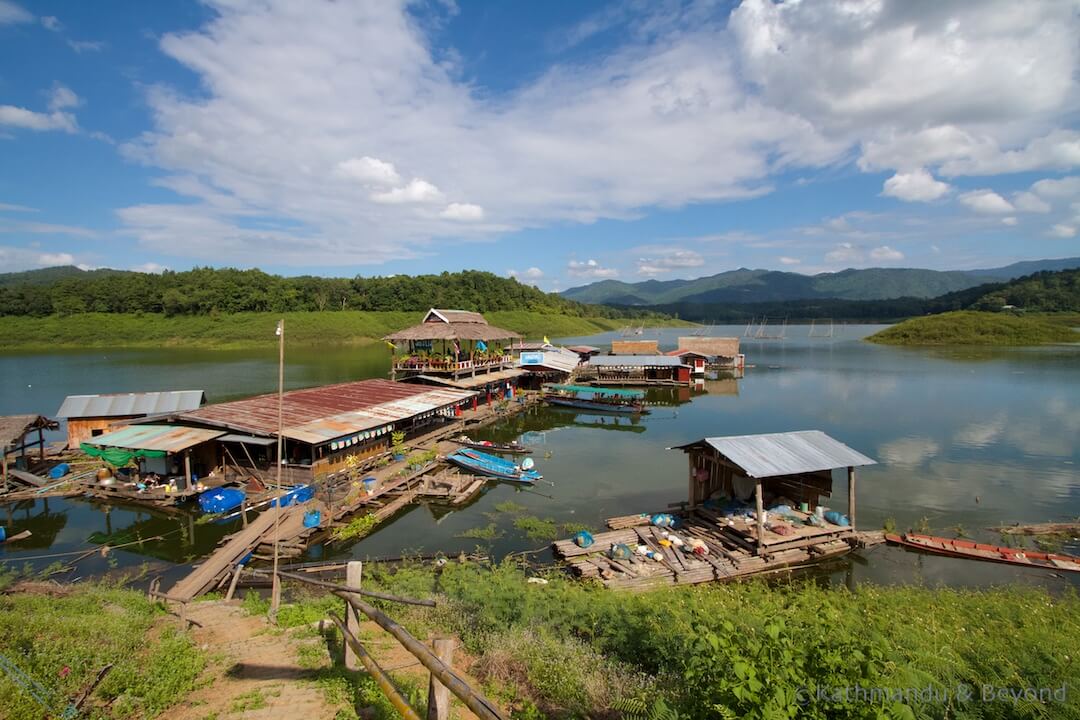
966	439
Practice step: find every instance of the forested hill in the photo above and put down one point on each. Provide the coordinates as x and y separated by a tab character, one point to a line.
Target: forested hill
205	291
1039	292
771	286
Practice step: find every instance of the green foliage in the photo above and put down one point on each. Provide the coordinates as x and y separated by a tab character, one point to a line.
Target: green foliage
356	528
535	528
63	641
1039	292
510	507
489	532
256	604
976	328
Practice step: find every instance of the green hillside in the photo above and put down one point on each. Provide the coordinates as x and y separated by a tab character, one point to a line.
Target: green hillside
768	286
1040	292
50	275
977	328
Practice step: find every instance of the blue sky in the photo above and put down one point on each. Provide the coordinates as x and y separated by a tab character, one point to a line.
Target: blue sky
559	142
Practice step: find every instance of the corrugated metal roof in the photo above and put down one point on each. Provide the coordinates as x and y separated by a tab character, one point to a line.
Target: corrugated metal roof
582	349
13	427
170	438
249	439
126	404
549	359
636	361
375	416
790	453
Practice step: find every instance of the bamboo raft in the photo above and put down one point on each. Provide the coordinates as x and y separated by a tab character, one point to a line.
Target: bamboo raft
730	554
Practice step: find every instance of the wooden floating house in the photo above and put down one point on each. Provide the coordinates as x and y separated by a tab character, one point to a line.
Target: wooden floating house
324	430
455	348
549	364
638	370
733	481
721	353
19	436
88	416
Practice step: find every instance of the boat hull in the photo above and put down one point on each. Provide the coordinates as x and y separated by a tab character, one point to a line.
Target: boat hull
985	552
497	448
491	466
596	406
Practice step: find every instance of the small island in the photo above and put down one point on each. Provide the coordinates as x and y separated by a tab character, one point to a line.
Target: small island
971	327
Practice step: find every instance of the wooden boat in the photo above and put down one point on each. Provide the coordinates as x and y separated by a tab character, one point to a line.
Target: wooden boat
492	466
989	553
596	399
492	447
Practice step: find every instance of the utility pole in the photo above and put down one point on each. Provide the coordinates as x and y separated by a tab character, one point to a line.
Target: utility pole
275	592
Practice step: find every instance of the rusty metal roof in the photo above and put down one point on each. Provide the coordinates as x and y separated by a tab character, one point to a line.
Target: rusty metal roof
170	438
126	404
304	410
14	427
790	453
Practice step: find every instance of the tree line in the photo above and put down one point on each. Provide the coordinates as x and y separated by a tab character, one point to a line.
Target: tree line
208	291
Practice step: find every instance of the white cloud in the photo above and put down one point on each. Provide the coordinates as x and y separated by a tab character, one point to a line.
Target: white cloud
533	273
53	259
51	22
463	211
843	253
1064	188
1030	202
10	13
368	170
152	268
416	191
886	253
915	186
81	46
62	98
986	201
590	269
1062	231
785	260
666	259
39	228
909	450
1010	221
19	117
8	207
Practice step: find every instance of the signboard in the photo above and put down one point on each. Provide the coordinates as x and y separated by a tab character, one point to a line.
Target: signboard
532	358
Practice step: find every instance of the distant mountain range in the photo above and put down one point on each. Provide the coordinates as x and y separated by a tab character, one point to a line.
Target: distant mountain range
755	286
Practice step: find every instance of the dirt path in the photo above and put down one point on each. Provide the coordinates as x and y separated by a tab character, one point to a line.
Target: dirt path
257	676
259	672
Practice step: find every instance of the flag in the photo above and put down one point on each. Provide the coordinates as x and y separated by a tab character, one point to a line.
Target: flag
481	346
546	341
390	345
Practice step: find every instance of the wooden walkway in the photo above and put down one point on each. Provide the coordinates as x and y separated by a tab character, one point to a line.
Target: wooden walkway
728	554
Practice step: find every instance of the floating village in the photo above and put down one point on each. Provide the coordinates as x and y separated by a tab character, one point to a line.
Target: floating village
294	466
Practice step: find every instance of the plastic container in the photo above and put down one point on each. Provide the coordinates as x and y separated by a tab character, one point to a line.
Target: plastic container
59	471
312	518
583	539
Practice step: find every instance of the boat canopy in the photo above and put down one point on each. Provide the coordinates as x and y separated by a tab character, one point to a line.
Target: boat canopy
601	391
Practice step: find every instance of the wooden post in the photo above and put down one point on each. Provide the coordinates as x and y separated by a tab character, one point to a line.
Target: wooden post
353	573
41	445
438	704
4	464
235	579
851	495
187	469
275	597
759	502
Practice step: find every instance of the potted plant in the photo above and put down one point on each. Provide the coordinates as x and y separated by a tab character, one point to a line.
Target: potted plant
397	444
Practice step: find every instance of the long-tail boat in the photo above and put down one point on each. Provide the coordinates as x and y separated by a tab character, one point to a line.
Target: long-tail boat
597	399
492	447
989	553
494	466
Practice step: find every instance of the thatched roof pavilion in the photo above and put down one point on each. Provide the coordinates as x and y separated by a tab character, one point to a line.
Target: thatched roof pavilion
452	325
453	343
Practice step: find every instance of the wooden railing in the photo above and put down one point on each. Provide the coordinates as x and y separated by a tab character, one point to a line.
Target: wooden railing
442	365
444	680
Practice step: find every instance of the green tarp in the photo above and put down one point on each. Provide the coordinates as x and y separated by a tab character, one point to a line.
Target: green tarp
119	457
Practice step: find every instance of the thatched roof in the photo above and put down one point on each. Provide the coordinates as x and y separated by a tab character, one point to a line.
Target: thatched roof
14	427
453	316
452	331
711	346
635	347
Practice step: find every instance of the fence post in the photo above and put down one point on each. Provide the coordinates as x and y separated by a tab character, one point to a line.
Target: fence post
438	707
353	572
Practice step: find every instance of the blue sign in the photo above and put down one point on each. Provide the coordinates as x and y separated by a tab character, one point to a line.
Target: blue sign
532	358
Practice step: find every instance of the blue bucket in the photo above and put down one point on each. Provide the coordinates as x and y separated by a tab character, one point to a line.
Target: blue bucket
312	518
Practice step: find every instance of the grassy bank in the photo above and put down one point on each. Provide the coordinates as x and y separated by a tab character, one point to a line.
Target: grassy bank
746	650
980	328
257	329
61	637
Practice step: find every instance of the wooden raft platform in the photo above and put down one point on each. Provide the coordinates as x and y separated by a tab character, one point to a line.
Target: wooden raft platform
730	554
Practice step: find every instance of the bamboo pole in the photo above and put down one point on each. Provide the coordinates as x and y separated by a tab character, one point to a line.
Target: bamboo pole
376	672
759	503
473	700
851	496
275	592
353	575
345	588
